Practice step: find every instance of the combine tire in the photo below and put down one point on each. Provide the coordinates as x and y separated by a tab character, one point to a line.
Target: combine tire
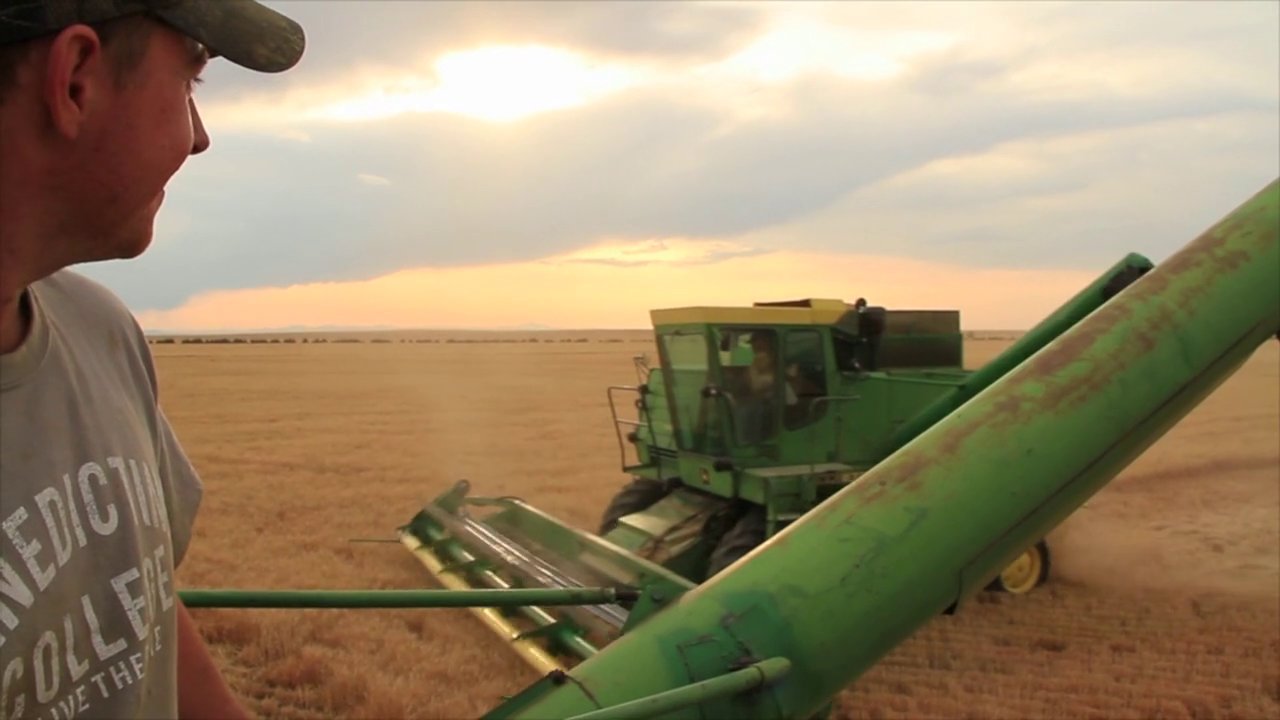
742	538
637	495
1026	573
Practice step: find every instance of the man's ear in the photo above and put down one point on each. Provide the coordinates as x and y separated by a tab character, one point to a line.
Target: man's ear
74	73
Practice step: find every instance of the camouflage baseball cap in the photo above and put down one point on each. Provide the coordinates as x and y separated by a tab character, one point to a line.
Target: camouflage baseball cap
243	31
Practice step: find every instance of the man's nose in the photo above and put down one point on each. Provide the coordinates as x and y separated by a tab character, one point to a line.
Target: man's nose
199	138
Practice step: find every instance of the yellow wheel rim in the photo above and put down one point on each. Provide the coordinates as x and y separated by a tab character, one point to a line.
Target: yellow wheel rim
1023	574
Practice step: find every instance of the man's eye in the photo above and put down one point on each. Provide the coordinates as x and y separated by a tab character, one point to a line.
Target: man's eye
191	86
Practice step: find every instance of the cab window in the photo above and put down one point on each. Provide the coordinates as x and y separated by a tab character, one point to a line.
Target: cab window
748	361
805	369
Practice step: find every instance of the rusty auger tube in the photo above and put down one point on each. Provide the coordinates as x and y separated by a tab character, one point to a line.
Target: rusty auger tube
934	522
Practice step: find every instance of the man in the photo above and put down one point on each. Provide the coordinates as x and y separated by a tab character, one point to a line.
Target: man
762	372
97	499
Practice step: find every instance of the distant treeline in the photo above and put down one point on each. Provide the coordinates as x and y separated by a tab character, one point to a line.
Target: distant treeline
969	335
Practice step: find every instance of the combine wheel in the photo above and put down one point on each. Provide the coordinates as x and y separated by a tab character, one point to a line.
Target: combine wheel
742	538
1025	573
637	495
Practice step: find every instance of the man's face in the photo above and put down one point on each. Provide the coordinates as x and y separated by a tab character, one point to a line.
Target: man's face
762	350
146	130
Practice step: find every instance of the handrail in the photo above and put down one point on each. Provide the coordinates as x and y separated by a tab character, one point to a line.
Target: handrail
373	599
748	678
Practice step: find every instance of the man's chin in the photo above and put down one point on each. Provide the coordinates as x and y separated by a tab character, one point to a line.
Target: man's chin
138	247
132	245
133	254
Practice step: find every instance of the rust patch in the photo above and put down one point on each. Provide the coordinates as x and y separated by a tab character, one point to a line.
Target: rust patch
1210	248
1161	309
904	476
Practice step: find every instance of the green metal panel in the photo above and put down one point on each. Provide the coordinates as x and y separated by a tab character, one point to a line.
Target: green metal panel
698	471
670	532
790	488
921	339
868	408
843	586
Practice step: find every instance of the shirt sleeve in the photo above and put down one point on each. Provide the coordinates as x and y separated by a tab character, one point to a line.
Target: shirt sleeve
181	484
182	487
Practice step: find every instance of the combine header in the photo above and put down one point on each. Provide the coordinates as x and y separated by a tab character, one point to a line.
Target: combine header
812	482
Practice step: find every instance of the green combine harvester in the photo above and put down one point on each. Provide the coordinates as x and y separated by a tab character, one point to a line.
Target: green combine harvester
813	482
757	415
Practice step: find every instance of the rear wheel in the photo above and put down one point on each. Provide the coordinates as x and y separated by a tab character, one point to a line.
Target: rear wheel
635	496
1027	572
742	538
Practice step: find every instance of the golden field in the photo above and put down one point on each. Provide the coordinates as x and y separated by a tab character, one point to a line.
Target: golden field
1164	602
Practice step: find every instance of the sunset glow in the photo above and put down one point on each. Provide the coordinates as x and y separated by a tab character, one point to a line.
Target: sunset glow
663	250
495	83
563	292
801	45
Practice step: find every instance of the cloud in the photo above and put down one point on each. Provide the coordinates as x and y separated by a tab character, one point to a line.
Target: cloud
798	45
1001	135
361	36
294	135
499	83
665	251
368	179
1073	200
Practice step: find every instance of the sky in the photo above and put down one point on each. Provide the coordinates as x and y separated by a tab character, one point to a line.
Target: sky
574	165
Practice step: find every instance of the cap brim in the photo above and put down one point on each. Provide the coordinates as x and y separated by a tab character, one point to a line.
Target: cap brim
243	31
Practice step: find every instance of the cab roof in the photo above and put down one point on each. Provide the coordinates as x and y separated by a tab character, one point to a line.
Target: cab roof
810	311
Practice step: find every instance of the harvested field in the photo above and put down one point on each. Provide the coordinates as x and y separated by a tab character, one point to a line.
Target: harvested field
1165	601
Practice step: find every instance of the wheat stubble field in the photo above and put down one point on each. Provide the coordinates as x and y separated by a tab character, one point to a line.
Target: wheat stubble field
1165	600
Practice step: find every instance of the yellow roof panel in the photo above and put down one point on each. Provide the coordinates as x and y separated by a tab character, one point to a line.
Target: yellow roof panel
815	312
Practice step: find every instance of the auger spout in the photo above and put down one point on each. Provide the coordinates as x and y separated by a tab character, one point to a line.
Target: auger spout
935	521
1115	279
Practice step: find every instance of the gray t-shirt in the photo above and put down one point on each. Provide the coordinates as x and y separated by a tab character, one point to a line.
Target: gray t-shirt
97	502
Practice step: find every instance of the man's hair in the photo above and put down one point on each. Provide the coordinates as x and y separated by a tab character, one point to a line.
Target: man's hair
124	42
